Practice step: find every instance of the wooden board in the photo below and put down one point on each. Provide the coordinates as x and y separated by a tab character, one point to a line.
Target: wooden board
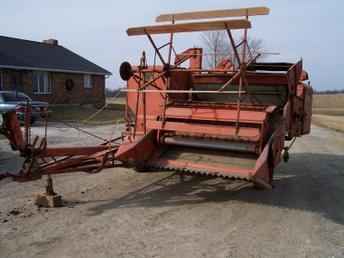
190	27
213	14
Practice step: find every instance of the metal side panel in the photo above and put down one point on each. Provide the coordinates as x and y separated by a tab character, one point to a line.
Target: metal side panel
215	114
244	133
137	151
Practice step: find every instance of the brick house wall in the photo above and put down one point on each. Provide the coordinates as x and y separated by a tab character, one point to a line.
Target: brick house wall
23	81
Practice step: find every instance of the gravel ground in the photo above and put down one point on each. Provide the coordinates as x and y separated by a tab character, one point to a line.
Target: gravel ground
119	213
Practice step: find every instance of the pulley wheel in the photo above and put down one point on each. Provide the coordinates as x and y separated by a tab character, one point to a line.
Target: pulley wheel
125	71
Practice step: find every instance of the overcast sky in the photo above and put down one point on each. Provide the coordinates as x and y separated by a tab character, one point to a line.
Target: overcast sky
311	29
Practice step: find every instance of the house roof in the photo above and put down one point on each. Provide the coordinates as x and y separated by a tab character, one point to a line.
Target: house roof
32	55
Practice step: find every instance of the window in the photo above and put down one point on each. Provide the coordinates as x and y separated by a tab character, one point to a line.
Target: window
88	81
41	83
1	80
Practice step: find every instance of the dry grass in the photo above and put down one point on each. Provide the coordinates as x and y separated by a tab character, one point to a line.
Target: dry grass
328	111
82	115
116	103
332	105
332	122
335	101
119	100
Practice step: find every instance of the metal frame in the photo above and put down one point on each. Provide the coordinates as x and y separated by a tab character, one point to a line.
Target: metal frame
236	128
241	72
152	114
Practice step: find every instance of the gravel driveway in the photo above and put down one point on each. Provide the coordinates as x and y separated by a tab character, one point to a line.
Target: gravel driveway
119	213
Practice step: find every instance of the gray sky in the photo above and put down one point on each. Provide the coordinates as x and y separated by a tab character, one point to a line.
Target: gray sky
310	29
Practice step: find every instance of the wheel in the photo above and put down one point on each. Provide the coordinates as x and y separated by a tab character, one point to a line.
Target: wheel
13	147
271	164
271	175
140	167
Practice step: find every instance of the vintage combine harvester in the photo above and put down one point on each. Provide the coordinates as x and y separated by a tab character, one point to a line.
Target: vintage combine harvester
230	121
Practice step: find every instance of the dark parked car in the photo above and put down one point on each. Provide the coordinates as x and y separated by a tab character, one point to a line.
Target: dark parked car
13	100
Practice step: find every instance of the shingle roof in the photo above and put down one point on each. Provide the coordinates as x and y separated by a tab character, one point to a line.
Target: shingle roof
32	55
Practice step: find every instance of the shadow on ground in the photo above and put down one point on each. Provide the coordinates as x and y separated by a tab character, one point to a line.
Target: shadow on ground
310	182
9	161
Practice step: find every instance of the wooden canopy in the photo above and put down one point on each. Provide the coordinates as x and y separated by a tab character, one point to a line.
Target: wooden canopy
253	11
190	27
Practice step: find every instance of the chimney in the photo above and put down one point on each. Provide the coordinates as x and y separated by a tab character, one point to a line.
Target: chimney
53	42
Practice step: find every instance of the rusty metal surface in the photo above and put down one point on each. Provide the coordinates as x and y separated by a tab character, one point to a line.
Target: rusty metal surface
41	159
239	103
211	157
264	110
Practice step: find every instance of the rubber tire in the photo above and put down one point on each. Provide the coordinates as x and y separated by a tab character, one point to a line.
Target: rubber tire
286	156
140	167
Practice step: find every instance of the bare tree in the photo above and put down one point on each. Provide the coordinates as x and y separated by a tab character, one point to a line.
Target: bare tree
256	46
217	44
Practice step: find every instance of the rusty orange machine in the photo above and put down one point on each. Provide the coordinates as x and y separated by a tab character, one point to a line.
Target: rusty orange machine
231	121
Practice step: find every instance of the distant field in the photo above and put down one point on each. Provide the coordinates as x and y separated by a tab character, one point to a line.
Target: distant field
120	100
328	111
116	103
328	101
329	104
332	122
332	105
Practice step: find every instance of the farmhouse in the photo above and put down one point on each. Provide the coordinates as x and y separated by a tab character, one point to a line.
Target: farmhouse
47	71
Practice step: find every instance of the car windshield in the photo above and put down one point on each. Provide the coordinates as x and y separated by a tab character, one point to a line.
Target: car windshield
12	96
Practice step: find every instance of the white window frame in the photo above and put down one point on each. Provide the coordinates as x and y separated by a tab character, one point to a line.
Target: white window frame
88	83
44	85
